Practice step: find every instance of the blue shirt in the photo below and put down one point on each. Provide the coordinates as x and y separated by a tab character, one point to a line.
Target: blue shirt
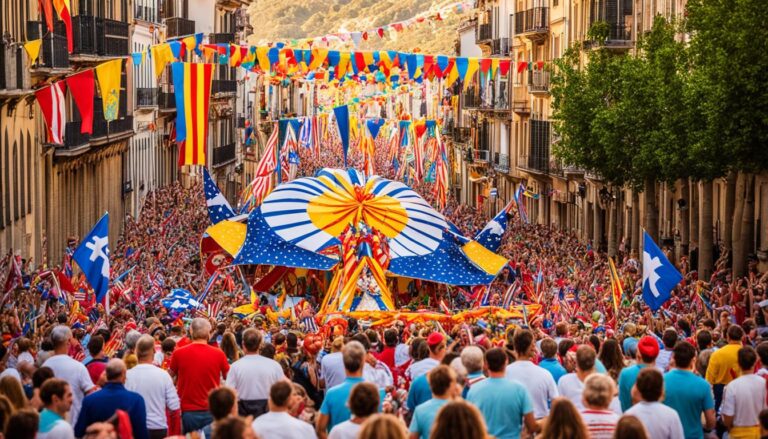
689	395
503	404
101	405
627	379
419	393
424	416
554	367
335	402
630	346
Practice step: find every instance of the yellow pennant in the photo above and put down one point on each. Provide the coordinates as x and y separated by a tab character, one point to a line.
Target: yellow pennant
453	75
494	67
472	67
161	55
33	49
261	55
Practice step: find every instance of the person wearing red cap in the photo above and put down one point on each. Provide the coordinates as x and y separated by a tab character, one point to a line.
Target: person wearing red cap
647	351
436	343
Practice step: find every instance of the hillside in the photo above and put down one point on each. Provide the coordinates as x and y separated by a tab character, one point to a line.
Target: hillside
309	18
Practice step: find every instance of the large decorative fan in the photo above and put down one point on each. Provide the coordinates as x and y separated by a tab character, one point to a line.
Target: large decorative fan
312	213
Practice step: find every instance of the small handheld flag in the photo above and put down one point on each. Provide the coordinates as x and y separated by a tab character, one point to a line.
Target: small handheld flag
659	275
92	255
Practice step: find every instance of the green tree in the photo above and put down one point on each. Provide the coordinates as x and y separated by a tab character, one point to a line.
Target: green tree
729	88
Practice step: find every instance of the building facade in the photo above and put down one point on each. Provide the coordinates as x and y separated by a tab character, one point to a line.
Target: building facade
498	152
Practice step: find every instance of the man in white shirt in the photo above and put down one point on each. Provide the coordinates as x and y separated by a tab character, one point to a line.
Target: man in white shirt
68	369
436	344
744	398
538	381
155	386
277	423
660	421
571	385
253	375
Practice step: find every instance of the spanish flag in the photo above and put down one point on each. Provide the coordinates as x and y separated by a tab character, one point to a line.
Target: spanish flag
192	85
616	291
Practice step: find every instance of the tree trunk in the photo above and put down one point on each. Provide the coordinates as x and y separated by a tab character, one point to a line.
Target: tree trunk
651	223
693	215
737	246
684	224
613	209
730	206
637	234
747	238
705	230
598	225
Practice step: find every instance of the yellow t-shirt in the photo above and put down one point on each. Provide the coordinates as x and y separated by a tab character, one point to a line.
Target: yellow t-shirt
724	365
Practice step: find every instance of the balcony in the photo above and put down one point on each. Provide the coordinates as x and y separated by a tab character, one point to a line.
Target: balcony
146	13
538	159
146	97
224	155
461	134
471	99
538	82
484	33
53	52
222	38
223	86
481	155
178	27
73	138
532	23
166	101
617	37
500	47
96	36
76	142
501	162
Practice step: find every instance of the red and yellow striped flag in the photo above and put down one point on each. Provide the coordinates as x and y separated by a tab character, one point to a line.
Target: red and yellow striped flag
192	86
616	291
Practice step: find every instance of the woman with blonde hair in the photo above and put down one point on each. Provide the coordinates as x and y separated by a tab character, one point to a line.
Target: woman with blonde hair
12	389
382	426
458	420
564	422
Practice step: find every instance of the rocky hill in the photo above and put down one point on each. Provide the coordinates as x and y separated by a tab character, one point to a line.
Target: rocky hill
280	21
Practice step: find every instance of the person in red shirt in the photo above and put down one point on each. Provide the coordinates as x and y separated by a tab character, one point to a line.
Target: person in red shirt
198	368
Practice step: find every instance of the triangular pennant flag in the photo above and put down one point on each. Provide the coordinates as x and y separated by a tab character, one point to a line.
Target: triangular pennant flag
33	49
504	66
137	58
81	87
108	74
161	55
374	126
342	121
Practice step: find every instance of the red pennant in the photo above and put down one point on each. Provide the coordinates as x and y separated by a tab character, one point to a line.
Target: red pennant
365	36
485	64
81	87
360	61
504	67
380	31
429	61
398	27
520	66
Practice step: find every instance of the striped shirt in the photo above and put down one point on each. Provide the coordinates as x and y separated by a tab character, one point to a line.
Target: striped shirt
600	423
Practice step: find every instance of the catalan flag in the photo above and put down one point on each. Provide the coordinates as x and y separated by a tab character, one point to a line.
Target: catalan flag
192	84
616	291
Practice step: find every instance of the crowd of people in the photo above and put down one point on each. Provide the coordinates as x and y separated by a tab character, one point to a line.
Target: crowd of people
579	368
